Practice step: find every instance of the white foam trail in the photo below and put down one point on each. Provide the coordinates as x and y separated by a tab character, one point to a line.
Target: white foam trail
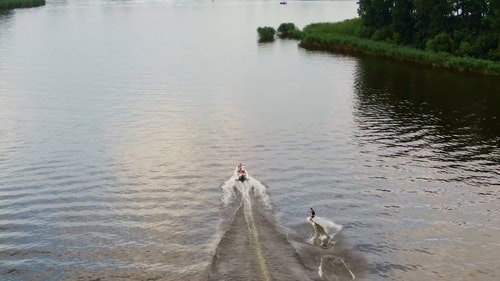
230	188
260	192
228	191
249	189
245	188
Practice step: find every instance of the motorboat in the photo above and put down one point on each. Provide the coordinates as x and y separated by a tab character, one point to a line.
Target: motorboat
240	173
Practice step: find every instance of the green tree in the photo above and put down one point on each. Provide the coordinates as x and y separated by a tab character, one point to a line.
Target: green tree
471	13
288	30
462	27
402	22
266	33
431	18
440	43
375	13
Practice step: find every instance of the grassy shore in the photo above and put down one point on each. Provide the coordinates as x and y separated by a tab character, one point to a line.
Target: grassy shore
11	4
346	37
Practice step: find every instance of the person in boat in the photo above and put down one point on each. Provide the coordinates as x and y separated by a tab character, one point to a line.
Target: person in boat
313	213
240	172
241	168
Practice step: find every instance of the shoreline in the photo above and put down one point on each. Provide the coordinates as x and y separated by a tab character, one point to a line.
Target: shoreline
13	4
337	37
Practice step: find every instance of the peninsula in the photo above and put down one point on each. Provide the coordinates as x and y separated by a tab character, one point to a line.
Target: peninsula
450	34
12	4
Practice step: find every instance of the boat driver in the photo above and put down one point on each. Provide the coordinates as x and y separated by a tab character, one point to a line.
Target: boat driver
241	168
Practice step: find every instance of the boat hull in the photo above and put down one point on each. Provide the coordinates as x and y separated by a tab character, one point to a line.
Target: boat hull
242	177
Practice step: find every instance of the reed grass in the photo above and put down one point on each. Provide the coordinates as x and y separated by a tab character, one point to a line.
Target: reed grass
266	33
289	30
12	4
345	37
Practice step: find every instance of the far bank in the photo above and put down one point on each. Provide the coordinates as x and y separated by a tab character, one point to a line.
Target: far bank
342	37
12	4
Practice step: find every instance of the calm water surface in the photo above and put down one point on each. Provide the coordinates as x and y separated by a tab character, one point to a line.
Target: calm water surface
121	123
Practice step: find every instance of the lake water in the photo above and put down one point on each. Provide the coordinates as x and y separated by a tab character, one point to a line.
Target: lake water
121	123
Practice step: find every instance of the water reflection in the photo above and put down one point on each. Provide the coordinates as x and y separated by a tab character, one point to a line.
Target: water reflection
5	22
5	14
446	121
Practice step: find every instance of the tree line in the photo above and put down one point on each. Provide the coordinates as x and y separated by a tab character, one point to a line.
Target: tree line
467	28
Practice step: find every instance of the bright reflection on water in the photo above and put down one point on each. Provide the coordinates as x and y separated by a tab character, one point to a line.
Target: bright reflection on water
121	120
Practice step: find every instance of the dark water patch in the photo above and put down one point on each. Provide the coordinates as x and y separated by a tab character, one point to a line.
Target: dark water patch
13	273
451	129
12	253
370	248
385	269
421	251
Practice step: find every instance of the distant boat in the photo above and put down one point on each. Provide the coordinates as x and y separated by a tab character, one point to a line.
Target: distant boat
283	2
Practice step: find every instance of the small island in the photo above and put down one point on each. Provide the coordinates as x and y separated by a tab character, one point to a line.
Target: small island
12	4
451	36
